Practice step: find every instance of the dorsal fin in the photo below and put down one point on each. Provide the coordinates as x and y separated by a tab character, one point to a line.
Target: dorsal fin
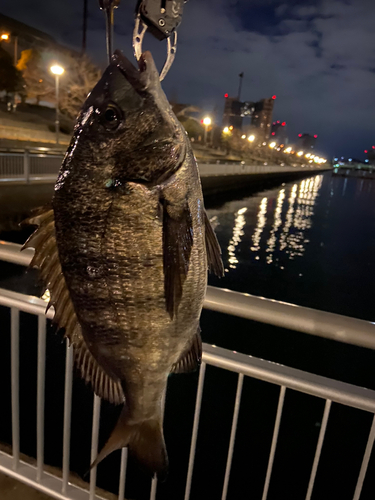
46	258
191	358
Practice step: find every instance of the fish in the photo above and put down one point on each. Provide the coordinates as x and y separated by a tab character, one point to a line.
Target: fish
124	251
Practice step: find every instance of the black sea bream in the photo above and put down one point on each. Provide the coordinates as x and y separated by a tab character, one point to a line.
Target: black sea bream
125	249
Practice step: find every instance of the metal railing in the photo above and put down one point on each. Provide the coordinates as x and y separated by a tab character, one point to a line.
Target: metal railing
281	314
44	164
29	165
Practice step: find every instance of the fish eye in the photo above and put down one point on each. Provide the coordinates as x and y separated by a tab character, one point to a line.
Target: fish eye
111	117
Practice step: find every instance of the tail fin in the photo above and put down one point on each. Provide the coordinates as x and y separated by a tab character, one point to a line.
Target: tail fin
145	440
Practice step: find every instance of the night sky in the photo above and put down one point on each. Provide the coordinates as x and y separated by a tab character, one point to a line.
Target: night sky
318	57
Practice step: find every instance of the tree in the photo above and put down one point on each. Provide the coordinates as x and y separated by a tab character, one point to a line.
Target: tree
10	78
80	77
39	83
192	126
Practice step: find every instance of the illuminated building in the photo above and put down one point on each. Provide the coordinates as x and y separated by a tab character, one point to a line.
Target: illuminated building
262	118
232	112
305	142
279	132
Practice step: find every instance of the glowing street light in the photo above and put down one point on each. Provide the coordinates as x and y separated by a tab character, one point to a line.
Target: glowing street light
288	150
226	130
300	153
307	155
57	71
206	122
243	136
251	138
4	36
272	145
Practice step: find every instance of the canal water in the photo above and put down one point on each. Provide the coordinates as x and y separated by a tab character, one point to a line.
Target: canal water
309	242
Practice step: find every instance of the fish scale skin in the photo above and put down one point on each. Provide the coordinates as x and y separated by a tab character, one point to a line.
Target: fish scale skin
110	245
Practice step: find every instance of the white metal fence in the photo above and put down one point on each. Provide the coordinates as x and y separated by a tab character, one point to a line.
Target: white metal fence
30	165
44	164
281	314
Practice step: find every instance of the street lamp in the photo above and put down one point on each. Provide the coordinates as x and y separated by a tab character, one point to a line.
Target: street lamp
272	145
206	122
5	37
57	71
226	130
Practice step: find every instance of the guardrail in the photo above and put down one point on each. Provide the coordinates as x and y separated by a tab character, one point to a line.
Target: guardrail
29	165
277	313
43	164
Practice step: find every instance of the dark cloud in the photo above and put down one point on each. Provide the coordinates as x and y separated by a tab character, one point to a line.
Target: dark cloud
318	57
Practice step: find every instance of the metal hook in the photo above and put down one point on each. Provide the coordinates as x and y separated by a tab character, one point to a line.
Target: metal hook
140	29
108	6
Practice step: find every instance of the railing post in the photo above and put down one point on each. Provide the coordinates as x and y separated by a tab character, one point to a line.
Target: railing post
26	165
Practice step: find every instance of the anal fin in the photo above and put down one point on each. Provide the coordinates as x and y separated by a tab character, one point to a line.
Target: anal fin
214	262
191	358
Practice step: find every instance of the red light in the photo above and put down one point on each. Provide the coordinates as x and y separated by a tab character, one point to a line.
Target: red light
273	97
299	135
315	136
226	96
366	151
273	133
278	121
283	124
201	121
373	147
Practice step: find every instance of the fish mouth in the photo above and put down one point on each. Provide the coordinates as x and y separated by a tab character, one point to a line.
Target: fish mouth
132	74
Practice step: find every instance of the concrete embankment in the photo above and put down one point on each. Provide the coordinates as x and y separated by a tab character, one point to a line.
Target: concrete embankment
225	178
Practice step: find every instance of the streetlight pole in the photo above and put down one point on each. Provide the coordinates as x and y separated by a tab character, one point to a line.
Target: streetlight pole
15	50
57	120
206	122
57	71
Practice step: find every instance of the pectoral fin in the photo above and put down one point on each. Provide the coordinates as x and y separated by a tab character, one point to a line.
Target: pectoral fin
213	250
177	245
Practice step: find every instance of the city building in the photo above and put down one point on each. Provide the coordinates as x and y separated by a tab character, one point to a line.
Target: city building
22	37
262	118
232	116
279	132
305	142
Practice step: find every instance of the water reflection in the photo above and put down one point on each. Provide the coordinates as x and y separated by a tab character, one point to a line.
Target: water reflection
296	240
271	243
239	223
275	227
262	218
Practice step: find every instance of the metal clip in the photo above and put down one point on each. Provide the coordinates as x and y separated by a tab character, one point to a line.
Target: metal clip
140	29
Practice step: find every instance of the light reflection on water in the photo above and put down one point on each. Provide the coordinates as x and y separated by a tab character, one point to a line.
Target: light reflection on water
267	226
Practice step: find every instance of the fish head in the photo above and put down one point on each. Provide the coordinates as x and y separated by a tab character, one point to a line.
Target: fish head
126	129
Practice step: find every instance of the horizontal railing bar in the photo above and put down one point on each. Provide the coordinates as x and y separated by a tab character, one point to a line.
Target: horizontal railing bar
264	370
25	303
308	383
292	317
302	319
50	484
